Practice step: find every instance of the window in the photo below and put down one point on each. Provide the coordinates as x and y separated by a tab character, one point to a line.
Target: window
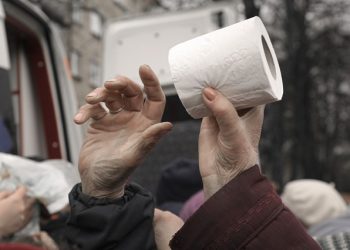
95	74
74	63
95	24
76	13
28	113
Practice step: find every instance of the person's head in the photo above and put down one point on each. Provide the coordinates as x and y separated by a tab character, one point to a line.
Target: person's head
313	201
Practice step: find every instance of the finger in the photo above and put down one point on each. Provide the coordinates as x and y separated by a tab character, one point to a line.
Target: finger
132	93
97	95
253	121
153	134
223	111
102	95
88	111
29	203
47	241
155	98
20	192
112	99
37	237
5	194
27	216
208	137
209	123
115	105
208	132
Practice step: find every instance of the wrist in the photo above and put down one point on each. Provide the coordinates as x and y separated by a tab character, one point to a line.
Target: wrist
211	184
105	179
214	182
99	194
100	187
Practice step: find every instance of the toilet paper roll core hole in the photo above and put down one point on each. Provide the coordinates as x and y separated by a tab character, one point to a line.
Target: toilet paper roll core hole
269	58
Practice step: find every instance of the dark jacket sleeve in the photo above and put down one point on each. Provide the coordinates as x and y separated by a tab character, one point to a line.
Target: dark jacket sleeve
124	223
245	214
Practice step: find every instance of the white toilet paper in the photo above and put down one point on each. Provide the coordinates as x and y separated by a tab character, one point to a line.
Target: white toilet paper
237	60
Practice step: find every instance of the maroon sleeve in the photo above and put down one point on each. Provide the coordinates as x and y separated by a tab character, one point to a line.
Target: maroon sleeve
244	214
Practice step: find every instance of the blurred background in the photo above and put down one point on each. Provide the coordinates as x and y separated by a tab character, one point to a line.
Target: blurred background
306	135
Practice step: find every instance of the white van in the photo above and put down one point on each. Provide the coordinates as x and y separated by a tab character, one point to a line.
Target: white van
130	42
37	96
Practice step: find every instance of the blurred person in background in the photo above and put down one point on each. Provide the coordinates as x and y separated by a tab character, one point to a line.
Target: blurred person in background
313	201
322	209
334	233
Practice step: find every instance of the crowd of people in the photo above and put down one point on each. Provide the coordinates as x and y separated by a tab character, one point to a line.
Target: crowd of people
238	208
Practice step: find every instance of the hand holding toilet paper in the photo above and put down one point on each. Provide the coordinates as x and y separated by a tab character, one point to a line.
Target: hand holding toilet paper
238	60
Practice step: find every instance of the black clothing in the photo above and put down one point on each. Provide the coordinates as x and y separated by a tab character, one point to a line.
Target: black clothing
124	223
179	180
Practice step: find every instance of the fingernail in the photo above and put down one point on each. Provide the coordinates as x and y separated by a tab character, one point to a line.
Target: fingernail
147	66
110	81
209	93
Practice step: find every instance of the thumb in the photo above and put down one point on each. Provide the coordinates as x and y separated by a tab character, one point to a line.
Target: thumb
223	111
20	192
153	134
5	194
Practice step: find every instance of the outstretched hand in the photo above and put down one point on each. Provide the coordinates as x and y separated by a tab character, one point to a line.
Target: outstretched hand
119	136
228	143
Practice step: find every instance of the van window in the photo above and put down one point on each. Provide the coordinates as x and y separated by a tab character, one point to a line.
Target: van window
77	13
28	124
96	24
95	74
75	64
26	128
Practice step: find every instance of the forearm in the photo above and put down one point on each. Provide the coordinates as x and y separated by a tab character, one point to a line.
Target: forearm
227	170
244	213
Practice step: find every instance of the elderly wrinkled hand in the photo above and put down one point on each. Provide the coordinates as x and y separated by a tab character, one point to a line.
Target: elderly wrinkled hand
16	210
119	136
228	143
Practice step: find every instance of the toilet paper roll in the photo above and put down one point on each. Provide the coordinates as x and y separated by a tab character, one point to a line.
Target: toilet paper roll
238	60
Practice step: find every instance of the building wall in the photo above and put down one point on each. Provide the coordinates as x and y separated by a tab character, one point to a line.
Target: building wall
88	46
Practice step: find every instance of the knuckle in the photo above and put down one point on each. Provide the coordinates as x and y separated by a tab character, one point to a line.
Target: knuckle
84	107
221	111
